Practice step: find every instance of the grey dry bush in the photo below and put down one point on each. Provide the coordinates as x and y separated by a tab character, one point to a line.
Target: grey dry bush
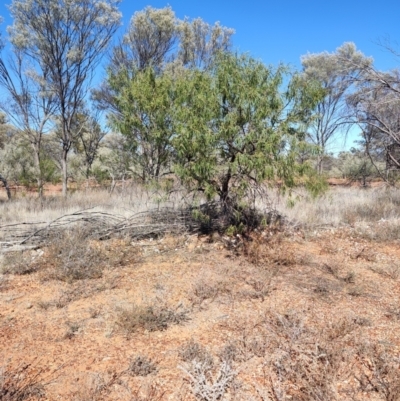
309	363
208	384
207	380
74	257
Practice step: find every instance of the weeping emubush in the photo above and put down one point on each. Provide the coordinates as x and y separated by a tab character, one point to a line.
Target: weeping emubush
239	126
224	131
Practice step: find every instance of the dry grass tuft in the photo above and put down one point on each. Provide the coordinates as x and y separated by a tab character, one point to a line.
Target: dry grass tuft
19	263
153	392
20	384
110	386
193	351
269	249
391	270
204	289
149	318
72	256
379	373
4	283
141	366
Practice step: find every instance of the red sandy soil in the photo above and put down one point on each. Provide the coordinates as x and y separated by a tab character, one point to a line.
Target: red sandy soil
69	335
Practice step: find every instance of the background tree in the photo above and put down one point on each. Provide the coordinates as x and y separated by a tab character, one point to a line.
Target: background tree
355	166
199	42
156	38
63	41
88	135
145	103
115	159
149	40
4	135
376	106
29	105
235	129
156	49
336	73
2	122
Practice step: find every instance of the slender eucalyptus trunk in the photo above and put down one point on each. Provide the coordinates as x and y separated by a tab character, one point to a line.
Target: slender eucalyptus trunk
320	164
4	181
39	179
64	169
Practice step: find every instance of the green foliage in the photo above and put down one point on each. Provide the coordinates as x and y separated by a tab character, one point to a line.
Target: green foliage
235	128
49	170
144	101
356	166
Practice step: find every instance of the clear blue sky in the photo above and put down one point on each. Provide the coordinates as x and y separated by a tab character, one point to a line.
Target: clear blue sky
281	31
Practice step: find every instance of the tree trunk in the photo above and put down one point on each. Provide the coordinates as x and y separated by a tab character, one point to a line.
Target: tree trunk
64	168
113	183
320	164
38	171
4	181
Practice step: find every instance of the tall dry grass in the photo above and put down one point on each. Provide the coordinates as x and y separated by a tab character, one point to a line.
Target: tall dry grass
342	205
373	209
123	201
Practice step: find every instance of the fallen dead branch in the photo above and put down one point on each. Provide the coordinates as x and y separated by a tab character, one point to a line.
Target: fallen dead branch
207	218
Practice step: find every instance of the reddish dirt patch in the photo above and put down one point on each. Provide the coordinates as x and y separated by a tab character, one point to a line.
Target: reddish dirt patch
331	288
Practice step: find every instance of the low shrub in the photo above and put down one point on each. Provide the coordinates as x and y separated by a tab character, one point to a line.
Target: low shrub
150	318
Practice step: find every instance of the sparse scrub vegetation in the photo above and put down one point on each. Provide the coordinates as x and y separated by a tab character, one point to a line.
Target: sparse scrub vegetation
211	236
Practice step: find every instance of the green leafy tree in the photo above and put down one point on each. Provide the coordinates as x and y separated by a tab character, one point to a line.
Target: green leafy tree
156	48
145	102
236	129
355	165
